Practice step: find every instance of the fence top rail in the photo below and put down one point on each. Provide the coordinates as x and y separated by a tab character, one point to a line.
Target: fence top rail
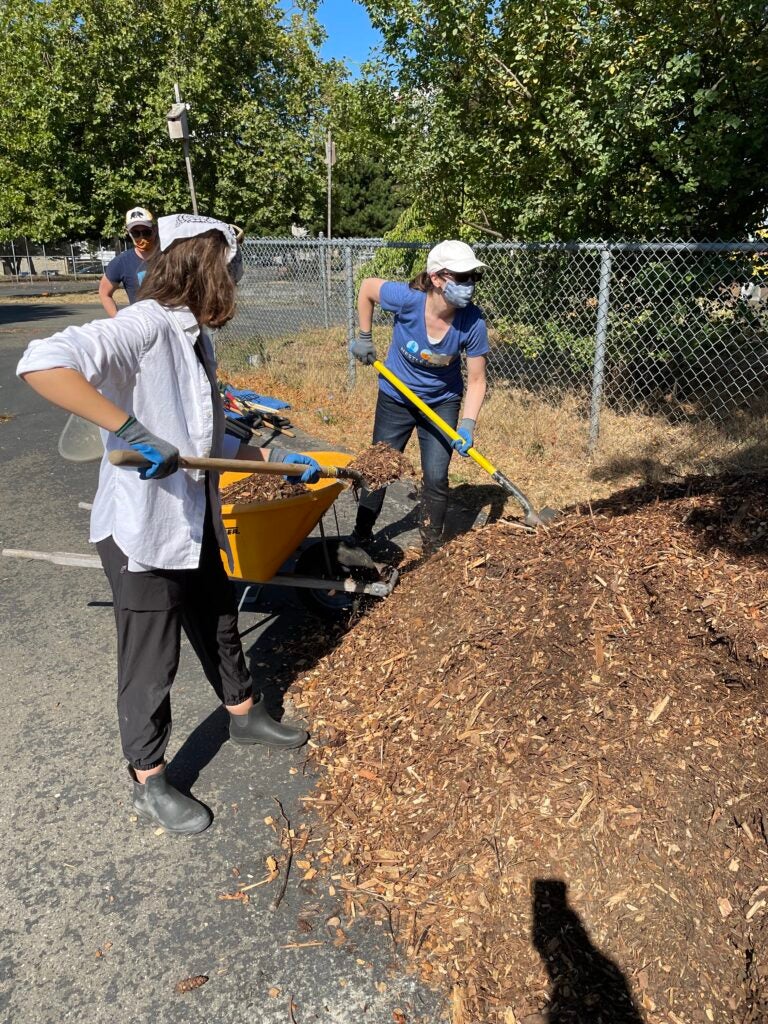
591	246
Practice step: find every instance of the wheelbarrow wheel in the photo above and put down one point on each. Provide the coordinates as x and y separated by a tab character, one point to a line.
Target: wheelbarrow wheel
314	561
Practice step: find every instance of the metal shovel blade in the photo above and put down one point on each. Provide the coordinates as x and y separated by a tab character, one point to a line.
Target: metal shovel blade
543	517
532	517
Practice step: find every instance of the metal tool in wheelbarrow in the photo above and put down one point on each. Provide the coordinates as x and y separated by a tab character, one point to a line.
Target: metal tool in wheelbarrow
532	518
134	460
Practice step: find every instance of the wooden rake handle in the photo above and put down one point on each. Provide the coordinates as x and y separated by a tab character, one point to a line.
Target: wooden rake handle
134	460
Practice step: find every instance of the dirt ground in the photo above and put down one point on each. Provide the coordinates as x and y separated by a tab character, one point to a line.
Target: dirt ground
546	763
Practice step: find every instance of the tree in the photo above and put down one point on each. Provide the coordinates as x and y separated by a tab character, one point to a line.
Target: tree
569	119
366	198
86	85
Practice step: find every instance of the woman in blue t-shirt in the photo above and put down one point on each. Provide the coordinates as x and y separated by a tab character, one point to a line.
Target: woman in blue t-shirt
435	321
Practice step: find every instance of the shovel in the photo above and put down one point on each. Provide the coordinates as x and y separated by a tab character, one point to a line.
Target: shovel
134	460
532	517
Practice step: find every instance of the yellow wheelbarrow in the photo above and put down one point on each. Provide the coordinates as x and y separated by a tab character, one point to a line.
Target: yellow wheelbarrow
264	536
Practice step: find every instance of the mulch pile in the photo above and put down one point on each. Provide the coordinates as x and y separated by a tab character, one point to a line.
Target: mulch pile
546	766
381	465
260	487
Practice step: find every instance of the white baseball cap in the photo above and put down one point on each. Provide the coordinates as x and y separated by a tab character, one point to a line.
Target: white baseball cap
139	216
188	225
453	255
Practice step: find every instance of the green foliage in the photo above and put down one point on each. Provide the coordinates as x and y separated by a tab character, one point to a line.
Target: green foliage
566	120
366	199
668	331
86	85
402	263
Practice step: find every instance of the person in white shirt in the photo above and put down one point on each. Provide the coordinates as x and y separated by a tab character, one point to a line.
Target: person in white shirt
148	379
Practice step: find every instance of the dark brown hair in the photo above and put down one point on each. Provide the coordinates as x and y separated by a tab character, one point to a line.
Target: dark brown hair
194	273
422	282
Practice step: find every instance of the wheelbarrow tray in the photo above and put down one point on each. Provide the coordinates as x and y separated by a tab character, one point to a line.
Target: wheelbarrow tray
264	534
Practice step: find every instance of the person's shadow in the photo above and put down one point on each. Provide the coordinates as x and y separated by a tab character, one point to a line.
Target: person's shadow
587	987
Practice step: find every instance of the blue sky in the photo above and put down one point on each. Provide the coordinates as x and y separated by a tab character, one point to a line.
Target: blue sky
350	33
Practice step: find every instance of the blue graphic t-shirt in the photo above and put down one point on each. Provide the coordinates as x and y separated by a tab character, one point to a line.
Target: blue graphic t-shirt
433	372
127	269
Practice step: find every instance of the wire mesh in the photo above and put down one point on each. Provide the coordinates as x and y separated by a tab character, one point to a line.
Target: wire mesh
21	259
672	328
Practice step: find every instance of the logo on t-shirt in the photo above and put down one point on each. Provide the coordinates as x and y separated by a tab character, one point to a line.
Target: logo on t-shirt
140	275
436	358
413	346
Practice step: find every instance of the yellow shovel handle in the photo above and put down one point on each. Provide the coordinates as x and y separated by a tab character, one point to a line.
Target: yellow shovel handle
431	415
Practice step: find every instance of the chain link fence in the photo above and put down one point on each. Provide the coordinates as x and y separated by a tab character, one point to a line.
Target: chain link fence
22	260
671	329
677	329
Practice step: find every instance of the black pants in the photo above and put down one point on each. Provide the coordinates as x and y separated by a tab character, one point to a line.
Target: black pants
150	610
394	424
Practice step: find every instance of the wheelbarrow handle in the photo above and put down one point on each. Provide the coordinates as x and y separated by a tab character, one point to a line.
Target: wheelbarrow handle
134	460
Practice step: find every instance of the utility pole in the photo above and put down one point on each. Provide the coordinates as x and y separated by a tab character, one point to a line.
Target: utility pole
178	128
330	159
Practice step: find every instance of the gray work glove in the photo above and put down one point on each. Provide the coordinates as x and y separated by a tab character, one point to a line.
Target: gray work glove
163	456
362	348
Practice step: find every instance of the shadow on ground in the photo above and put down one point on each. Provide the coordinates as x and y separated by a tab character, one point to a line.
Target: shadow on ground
587	987
20	314
652	469
732	516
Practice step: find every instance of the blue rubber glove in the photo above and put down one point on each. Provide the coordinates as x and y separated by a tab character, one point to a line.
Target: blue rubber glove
163	456
310	475
362	348
254	396
466	431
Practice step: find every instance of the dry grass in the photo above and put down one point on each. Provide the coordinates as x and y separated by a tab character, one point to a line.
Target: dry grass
542	447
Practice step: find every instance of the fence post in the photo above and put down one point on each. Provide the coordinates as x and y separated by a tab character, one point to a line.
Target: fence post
349	280
45	261
30	266
74	265
601	333
323	283
13	262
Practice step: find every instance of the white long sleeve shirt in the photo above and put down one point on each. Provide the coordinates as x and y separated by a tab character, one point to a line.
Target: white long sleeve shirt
145	362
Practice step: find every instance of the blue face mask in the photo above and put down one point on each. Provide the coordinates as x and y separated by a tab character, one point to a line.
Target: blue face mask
459	295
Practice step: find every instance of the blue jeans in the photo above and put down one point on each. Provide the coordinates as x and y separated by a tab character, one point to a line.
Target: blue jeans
394	424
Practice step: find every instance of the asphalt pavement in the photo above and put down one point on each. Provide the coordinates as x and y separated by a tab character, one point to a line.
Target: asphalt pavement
100	916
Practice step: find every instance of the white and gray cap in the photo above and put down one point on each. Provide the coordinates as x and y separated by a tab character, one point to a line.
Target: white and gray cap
453	255
188	225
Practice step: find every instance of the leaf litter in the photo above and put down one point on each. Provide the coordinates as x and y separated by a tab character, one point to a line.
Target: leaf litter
572	717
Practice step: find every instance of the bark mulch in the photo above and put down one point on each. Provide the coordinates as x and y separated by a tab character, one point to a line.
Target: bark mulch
545	763
260	487
381	465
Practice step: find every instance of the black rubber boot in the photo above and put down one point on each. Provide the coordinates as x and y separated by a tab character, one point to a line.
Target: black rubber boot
158	803
352	552
431	540
258	726
365	521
